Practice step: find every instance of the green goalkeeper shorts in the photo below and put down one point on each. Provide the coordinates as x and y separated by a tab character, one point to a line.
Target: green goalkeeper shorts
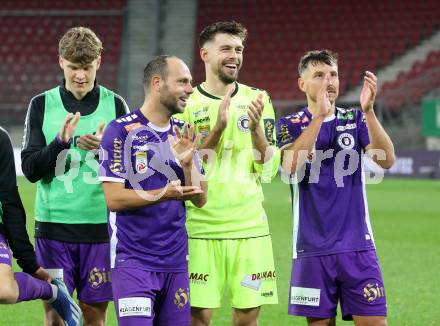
243	267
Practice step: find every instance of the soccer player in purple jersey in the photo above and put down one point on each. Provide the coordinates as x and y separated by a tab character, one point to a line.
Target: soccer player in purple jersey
334	257
149	168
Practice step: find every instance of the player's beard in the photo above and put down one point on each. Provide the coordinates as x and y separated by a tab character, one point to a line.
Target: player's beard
225	78
170	101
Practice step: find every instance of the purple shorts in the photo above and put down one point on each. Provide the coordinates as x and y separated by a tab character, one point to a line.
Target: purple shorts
82	266
353	278
151	298
5	252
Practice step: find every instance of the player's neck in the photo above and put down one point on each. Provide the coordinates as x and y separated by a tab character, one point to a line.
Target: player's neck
215	86
156	116
77	95
311	106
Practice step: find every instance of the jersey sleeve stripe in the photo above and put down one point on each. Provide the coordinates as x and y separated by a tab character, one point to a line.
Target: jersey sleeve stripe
111	179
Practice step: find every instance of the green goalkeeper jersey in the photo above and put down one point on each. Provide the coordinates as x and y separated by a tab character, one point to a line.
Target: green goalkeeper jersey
234	209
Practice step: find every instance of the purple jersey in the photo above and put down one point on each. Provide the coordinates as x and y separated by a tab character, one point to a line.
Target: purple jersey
330	213
137	153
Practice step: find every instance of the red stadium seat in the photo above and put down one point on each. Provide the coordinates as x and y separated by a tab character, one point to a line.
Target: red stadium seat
290	28
30	46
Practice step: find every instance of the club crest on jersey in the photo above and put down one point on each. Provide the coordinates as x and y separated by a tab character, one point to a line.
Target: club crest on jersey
141	162
203	130
346	141
243	123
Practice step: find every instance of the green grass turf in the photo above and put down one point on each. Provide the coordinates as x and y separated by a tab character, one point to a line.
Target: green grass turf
405	217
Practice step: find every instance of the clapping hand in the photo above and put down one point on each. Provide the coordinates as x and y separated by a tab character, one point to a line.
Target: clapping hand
89	141
368	92
183	145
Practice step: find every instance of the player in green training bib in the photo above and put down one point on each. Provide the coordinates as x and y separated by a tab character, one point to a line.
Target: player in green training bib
229	242
62	134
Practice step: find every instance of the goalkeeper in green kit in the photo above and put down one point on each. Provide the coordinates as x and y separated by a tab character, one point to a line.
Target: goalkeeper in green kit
229	242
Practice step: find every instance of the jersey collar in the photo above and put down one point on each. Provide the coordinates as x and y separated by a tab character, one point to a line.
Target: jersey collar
204	92
326	119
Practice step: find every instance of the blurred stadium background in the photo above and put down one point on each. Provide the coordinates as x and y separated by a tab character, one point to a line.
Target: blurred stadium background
398	40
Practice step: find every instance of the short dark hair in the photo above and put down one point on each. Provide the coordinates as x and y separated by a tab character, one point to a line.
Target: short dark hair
317	56
232	28
158	65
80	45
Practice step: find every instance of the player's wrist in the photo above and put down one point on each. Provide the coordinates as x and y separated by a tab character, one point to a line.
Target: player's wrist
255	128
186	165
319	117
368	110
62	140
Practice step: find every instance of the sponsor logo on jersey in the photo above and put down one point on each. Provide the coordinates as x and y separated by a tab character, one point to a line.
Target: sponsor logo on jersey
345	115
141	162
346	127
269	125
199	278
201	120
284	135
201	111
142	148
346	141
267	294
372	292
141	138
135	306
243	123
181	298
243	107
116	161
98	277
305	296
263	275
133	126
254	280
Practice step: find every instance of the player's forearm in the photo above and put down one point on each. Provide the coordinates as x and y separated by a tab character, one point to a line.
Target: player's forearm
37	162
201	199
260	144
194	178
379	140
213	138
128	199
295	155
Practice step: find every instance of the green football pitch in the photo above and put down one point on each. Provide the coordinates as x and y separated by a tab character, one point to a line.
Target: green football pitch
406	222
